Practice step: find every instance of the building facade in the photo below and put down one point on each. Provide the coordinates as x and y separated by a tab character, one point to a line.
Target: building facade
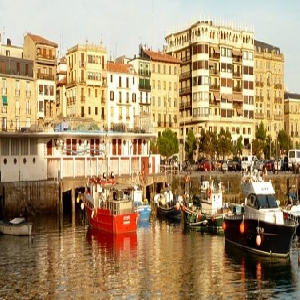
43	54
216	81
269	88
291	117
18	93
86	83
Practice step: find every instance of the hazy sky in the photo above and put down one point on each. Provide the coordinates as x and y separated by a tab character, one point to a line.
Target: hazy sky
122	25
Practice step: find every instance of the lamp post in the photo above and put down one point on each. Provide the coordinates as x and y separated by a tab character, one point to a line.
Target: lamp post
183	154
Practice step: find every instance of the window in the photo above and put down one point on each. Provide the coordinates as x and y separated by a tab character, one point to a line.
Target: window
111	96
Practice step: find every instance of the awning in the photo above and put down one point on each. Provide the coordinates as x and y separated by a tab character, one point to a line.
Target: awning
239	111
229	98
236	53
216	49
237	97
4	100
217	95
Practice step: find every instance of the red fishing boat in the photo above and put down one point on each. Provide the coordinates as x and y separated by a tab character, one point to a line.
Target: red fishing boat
110	206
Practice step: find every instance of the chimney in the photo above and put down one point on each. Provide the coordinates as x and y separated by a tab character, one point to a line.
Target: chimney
8	42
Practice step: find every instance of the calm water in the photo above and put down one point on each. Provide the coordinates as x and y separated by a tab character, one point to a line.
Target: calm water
159	262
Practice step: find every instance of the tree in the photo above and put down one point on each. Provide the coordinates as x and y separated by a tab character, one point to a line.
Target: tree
284	141
190	145
238	147
168	143
259	143
154	147
208	143
224	143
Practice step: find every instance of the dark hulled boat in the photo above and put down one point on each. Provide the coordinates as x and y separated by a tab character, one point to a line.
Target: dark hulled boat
259	225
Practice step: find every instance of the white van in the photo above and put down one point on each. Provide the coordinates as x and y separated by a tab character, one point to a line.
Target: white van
293	158
247	162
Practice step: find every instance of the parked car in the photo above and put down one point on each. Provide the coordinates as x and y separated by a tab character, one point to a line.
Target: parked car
234	164
258	164
224	166
269	165
207	165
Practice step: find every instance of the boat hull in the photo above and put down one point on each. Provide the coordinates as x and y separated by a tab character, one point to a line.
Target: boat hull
172	213
104	220
16	229
261	237
204	222
144	212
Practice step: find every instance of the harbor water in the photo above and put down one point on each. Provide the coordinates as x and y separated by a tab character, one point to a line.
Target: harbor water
160	261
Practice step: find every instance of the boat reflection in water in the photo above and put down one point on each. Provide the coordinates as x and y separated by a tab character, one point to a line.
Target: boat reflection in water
261	276
110	241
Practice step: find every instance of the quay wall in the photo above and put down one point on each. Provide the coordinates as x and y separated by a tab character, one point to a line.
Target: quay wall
39	197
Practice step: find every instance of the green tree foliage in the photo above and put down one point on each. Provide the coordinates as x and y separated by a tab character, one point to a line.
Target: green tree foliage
190	145
238	147
154	147
208	144
168	143
259	143
284	141
224	143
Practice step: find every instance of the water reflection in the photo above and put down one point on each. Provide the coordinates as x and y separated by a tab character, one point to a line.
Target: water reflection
160	261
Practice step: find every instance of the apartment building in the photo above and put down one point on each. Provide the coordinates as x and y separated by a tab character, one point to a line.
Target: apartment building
43	54
61	82
164	76
142	66
86	87
18	94
216	81
122	93
291	117
269	88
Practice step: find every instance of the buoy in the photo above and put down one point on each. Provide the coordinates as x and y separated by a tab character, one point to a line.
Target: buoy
77	199
242	227
258	240
183	207
177	206
224	225
199	217
82	205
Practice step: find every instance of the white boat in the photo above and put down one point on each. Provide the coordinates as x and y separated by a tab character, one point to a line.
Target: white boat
16	226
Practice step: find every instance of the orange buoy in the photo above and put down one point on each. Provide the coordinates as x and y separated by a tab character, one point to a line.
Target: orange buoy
242	227
258	240
182	207
199	217
224	225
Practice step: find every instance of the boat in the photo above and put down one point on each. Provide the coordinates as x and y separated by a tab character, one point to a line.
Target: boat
292	210
142	207
167	208
258	224
206	212
16	226
109	206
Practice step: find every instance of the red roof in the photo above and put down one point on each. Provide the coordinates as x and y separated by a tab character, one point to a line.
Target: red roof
162	57
121	68
40	40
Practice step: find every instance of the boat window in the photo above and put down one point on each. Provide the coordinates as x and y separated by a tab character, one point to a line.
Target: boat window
262	201
272	201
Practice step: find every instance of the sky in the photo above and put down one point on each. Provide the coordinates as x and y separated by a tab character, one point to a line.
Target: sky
122	25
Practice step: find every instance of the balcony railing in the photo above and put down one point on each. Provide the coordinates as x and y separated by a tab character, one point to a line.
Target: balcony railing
185	90
45	76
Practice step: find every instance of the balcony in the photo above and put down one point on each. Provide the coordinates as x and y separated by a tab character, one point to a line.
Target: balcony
214	87
237	74
278	86
237	89
259	83
214	56
144	72
185	90
214	72
186	59
185	75
45	76
259	115
145	87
